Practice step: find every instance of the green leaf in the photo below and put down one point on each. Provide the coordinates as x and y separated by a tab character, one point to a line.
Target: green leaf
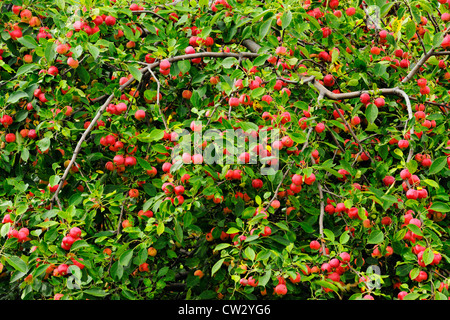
265	278
376	236
16	96
116	270
144	164
371	113
228	62
61	4
222	246
415	229
412	166
28	41
428	256
96	292
248	213
160	228
326	284
125	257
17	263
178	232
410	29
79	244
264	28
184	66
196	100
314	22
83	74
306	227
437	39
431	183
250	253
440	207
93	50
329	234
343	239
437	165
352	82
50	52
380	70
135	72
286	19
43	144
26	68
47	224
203	3
25	154
411	296
217	266
232	230
260	60
297	137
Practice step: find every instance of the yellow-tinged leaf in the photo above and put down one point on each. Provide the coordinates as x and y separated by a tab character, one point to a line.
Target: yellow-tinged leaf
257	106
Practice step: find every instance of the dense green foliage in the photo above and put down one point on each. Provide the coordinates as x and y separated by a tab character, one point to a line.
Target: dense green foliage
93	94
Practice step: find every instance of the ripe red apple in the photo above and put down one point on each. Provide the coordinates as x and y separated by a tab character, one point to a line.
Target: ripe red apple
364	98
233	102
110	21
379	102
281	289
350	11
314	245
310	179
164	64
10	137
62	48
319	127
375	50
28	58
140	114
356	120
126	224
412	194
287	141
403	144
75	232
257	183
328	80
297	179
72	62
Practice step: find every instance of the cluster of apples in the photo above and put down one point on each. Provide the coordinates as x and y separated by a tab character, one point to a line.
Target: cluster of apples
6	121
26	16
217	3
409	182
409	219
175	192
421	118
419	251
21	235
73	235
248	282
116	109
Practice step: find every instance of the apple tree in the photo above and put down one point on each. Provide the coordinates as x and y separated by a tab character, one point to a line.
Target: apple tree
315	160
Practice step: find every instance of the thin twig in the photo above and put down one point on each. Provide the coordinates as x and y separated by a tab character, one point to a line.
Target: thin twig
158	86
352	133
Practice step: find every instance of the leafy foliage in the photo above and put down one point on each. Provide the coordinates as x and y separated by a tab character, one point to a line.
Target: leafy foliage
94	93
